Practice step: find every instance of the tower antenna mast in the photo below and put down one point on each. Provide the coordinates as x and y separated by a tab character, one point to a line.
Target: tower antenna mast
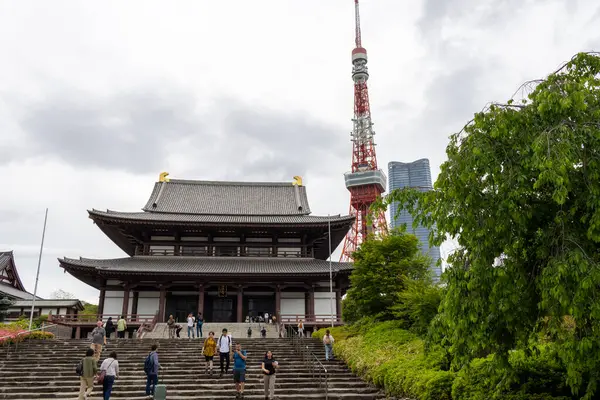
366	182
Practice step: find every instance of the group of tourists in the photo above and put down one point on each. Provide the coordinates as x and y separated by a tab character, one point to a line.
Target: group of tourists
108	372
192	322
87	368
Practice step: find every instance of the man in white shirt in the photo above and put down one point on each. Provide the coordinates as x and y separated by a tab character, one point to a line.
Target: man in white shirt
190	324
225	350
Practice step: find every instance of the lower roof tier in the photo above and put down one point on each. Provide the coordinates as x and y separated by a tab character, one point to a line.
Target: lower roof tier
88	270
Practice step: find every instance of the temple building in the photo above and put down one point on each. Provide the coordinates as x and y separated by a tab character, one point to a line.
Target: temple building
226	249
11	288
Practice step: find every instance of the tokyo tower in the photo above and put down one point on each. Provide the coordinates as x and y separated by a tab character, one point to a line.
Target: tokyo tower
365	182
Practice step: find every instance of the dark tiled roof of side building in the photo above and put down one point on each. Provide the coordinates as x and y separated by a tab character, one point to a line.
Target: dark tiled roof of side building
50	303
228	198
7	261
173	265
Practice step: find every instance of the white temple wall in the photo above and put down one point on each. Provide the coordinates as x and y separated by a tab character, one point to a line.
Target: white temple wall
148	302
113	302
323	304
293	303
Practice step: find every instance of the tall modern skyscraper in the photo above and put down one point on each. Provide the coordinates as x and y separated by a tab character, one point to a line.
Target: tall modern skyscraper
417	175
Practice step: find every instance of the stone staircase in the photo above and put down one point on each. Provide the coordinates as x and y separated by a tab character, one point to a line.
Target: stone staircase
237	330
46	370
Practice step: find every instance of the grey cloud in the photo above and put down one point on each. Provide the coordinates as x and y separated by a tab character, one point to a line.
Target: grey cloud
293	143
129	131
490	12
138	131
451	100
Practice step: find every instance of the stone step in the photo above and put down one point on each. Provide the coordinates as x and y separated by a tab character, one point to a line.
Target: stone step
46	370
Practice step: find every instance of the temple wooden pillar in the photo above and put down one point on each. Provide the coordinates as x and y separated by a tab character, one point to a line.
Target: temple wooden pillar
101	301
125	308
201	299
311	303
162	300
134	305
278	302
240	298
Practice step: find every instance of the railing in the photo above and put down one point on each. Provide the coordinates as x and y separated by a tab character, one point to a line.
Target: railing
14	339
316	367
92	318
147	326
321	319
249	252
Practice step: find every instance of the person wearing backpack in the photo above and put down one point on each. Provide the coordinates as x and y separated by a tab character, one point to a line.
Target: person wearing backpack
87	370
110	368
225	350
328	342
151	367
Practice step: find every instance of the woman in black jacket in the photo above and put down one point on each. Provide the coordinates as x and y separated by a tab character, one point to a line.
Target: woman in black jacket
109	327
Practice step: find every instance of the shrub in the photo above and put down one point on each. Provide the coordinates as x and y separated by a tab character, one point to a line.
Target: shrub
536	376
38	335
392	358
418	304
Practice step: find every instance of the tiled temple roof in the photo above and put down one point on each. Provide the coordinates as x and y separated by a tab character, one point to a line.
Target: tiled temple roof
7	263
219	219
179	265
228	198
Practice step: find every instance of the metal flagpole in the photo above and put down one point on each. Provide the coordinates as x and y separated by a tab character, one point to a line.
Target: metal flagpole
330	270
37	276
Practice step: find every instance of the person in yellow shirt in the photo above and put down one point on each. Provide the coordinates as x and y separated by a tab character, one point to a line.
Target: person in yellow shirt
121	327
208	350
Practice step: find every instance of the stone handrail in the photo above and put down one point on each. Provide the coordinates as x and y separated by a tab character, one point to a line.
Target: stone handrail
316	366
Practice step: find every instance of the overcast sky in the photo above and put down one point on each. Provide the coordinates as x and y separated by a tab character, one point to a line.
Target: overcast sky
97	98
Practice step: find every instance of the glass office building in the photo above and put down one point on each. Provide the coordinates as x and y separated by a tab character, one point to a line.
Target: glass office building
417	175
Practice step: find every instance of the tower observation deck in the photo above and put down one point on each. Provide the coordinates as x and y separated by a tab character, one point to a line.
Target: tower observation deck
366	182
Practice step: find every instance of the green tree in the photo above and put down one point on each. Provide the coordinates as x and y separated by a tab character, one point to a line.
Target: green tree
5	304
418	304
89	309
520	192
381	267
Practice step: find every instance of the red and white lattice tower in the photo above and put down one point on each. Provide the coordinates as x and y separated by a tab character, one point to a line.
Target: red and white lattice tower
365	182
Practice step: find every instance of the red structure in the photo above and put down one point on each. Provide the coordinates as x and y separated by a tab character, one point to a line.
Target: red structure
366	182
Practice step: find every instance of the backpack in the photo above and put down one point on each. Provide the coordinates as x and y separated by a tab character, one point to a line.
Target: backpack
149	364
79	368
327	339
228	338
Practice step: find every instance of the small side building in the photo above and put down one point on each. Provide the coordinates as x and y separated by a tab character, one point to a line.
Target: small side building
11	287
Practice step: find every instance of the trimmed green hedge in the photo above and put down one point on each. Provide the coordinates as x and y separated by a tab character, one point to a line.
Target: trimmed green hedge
392	358
395	359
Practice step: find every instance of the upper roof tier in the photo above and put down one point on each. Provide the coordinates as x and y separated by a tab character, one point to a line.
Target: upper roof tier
228	198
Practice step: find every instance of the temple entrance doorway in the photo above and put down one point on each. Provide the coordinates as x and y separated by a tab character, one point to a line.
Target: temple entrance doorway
257	305
179	306
222	309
